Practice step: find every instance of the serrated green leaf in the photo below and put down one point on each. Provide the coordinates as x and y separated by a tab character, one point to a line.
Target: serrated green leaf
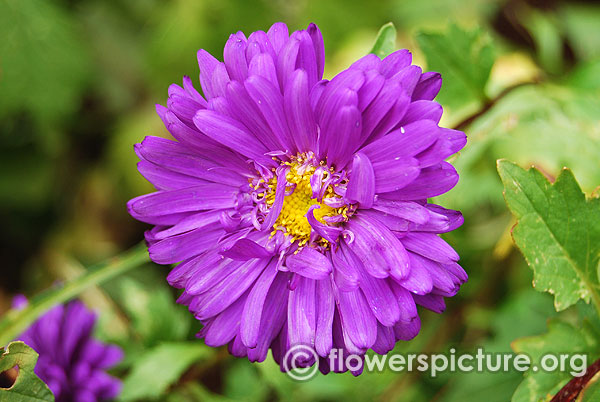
160	367
464	59
28	387
558	232
561	338
385	43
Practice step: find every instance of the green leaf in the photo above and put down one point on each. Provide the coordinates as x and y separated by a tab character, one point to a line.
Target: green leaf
27	387
547	124
561	338
464	59
522	314
16	321
43	60
243	382
580	21
160	367
591	391
144	304
546	35
558	232
385	43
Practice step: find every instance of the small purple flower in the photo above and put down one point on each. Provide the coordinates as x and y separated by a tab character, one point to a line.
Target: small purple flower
296	206
72	363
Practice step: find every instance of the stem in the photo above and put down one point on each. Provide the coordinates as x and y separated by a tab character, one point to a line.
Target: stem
17	321
491	102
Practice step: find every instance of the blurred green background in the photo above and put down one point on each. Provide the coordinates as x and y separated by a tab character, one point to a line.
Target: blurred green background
78	84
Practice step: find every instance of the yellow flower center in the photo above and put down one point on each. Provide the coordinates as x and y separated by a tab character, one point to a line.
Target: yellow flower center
292	220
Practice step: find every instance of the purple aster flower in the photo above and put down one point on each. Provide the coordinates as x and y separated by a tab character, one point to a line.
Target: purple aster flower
72	363
297	207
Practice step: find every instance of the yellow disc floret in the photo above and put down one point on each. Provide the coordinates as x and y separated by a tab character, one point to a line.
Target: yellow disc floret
292	219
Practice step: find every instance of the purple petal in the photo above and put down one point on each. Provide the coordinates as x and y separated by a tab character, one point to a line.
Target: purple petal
177	158
431	182
269	101
209	196
395	62
299	113
264	66
231	134
361	185
325	306
278	35
371	88
273	317
309	263
193	92
392	175
277	203
419	280
381	299
442	280
343	137
441	220
166	180
408	210
317	40
219	80
286	61
246	249
330	233
264	43
222	295
207	64
428	87
253	309
345	274
226	325
457	271
344	100
307	60
391	222
386	340
209	271
357	318
406	303
450	142
379	250
408	78
248	112
431	302
422	110
180	247
407	331
302	313
405	142
191	222
381	106
431	246
340	88
234	55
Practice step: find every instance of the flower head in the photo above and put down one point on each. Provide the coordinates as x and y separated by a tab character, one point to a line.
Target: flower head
72	363
297	207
